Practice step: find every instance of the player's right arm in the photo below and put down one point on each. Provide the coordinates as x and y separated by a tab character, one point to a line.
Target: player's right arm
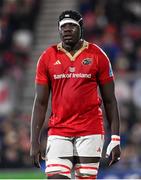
37	120
39	107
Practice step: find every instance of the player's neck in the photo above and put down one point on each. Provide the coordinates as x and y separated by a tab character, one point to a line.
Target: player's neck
73	48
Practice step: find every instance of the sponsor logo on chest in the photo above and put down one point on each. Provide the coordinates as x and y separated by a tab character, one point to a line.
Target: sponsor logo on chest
72	71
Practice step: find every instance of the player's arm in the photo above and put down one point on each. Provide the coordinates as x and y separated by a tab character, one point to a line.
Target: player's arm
37	120
110	105
111	108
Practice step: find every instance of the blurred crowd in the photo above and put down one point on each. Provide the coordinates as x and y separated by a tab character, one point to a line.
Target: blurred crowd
114	25
17	25
17	20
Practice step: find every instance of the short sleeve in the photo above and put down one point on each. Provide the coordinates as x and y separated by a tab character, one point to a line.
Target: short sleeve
105	72
41	70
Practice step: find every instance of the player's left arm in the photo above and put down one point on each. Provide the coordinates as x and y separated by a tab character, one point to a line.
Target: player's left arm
111	109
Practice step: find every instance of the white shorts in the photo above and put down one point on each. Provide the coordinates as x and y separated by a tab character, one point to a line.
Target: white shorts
86	146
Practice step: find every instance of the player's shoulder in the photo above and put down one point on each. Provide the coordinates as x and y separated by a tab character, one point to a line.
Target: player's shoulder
50	49
47	53
97	49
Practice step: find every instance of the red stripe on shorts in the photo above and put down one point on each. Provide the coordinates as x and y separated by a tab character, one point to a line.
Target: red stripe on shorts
52	165
115	139
51	174
86	167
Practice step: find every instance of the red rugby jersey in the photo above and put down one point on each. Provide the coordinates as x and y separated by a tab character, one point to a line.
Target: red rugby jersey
74	81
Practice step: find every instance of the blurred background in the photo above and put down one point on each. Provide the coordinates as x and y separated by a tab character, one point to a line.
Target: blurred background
27	27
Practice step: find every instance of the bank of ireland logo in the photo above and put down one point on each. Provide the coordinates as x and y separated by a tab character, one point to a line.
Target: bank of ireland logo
87	61
71	69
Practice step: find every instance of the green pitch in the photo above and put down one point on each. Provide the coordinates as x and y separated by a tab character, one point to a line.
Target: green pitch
22	174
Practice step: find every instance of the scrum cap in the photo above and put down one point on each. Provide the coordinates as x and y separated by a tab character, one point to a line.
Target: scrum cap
70	16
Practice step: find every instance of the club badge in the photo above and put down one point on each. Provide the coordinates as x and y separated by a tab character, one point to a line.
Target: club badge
87	61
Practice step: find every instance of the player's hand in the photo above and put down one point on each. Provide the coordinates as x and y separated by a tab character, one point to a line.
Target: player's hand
114	150
35	153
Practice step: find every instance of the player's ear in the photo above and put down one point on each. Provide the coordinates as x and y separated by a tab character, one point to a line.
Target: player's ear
58	26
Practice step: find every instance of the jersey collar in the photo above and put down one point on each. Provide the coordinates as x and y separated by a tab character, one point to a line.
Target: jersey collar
85	45
72	58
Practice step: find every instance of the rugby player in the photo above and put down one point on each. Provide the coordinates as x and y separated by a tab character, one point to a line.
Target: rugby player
72	71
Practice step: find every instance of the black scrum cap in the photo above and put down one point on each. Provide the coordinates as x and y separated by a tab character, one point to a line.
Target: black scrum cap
70	16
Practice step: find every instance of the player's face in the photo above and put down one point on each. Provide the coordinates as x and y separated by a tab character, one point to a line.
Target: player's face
70	33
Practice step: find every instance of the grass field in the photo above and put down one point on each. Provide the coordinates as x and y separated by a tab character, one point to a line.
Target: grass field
22	174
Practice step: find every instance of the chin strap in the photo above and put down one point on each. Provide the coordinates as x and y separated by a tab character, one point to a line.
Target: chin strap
115	140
